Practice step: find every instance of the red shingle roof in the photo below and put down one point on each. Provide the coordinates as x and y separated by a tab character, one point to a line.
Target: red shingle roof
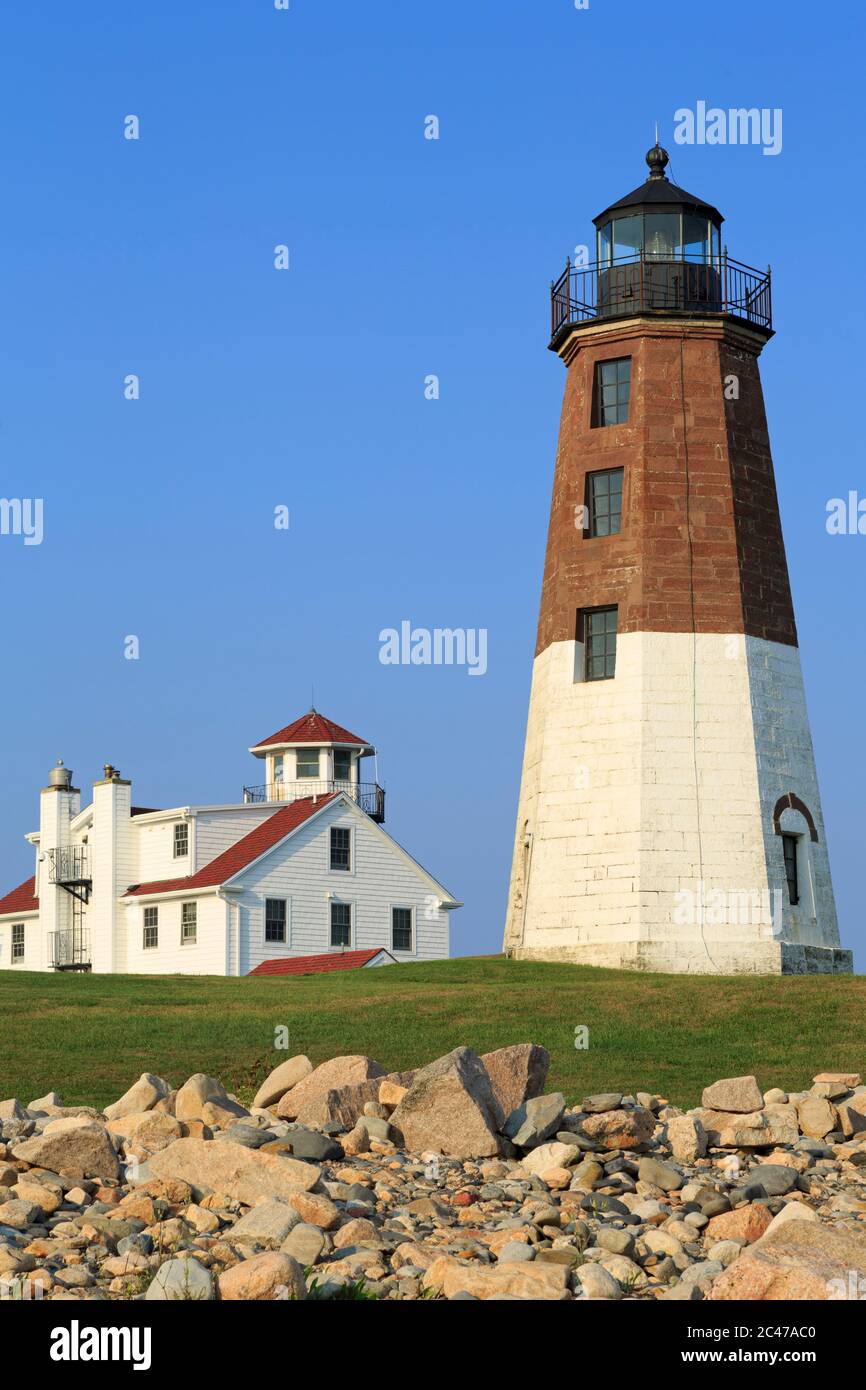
318	965
243	852
312	728
21	899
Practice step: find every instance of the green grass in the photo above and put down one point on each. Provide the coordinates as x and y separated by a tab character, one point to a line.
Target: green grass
90	1036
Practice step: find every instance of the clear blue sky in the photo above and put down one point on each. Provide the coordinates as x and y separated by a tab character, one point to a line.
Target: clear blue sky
305	387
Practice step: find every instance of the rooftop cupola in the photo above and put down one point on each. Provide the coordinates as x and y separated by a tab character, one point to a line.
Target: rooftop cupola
314	757
659	251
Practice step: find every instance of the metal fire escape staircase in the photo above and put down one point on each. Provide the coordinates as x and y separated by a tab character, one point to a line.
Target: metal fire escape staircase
69	868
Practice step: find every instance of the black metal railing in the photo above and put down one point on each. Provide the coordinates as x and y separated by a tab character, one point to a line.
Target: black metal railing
69	864
369	795
69	950
642	283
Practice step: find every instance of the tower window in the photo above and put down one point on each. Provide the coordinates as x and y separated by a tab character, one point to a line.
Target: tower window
181	840
342	765
612	386
278	767
188	924
341	924
597	630
401	929
275	919
17	942
150	938
341	845
308	762
789	848
604	502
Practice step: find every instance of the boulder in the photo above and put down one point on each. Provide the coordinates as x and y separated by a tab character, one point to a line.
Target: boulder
152	1133
530	1280
739	1095
282	1079
245	1175
547	1156
450	1107
344	1105
852	1114
267	1224
304	1243
199	1093
620	1129
144	1095
687	1138
849	1079
747	1224
76	1147
774	1124
815	1116
798	1259
605	1100
517	1074
330	1076
658	1174
273	1275
532	1123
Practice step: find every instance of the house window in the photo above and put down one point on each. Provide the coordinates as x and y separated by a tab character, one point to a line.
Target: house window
789	848
308	762
612	386
275	919
597	631
604	502
278	767
181	840
188	923
341	844
341	924
342	765
401	929
150	939
17	942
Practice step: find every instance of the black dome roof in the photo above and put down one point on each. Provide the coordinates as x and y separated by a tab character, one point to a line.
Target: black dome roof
658	192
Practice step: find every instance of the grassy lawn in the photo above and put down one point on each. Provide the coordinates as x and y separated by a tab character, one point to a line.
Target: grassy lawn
90	1036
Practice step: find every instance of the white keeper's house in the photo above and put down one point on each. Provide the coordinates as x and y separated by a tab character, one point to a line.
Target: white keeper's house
299	867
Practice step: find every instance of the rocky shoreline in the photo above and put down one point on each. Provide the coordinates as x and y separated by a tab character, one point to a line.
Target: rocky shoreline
463	1179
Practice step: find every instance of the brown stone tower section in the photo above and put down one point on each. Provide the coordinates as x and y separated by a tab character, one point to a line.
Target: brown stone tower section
700	547
669	815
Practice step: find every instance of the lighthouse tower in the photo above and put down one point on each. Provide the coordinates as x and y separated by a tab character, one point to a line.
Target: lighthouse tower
669	814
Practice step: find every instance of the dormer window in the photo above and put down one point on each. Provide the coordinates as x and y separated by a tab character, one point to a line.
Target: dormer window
308	762
181	840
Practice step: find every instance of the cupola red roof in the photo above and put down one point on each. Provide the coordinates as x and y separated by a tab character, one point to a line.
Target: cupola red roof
312	728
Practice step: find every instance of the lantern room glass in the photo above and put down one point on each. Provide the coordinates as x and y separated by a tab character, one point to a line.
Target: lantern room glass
664	236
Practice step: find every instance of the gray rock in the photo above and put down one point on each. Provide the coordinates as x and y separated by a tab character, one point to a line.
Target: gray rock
515	1251
306	1143
181	1281
663	1175
533	1122
247	1135
775	1178
606	1100
268	1224
304	1243
614	1241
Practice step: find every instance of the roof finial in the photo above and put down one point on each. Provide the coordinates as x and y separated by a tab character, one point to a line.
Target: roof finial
657	159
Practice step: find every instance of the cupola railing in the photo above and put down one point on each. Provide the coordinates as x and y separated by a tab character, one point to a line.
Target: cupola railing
643	283
368	795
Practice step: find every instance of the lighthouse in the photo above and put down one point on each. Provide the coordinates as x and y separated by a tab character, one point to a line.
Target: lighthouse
669	815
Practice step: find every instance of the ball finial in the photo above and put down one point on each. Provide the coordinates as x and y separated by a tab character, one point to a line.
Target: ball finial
657	159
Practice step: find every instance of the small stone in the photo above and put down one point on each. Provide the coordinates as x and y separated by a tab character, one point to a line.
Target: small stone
535	1120
267	1224
597	1283
280	1080
747	1224
181	1280
273	1275
663	1175
304	1243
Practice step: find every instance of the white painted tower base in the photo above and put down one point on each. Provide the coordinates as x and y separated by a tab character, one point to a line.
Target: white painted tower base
653	845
